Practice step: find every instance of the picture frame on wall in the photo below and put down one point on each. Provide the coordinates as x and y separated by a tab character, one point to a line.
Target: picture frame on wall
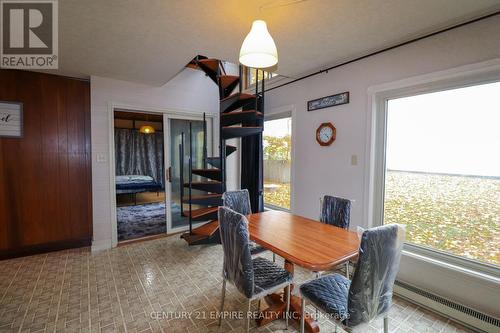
328	101
11	119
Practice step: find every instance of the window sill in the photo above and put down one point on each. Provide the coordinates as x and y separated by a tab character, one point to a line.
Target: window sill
273	207
454	263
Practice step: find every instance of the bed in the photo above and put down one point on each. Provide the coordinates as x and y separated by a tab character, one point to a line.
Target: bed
133	184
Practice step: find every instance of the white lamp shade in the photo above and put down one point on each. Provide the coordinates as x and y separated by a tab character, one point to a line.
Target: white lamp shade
258	49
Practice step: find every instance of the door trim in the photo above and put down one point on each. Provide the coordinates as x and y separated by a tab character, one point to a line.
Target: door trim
166	112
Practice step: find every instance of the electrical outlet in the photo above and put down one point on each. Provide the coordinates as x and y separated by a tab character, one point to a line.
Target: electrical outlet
354	159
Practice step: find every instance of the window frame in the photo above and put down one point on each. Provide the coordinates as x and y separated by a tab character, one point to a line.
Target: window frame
246	78
379	96
281	113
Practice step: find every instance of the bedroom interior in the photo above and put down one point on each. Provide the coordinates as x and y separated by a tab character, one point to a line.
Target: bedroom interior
150	198
140	175
250	166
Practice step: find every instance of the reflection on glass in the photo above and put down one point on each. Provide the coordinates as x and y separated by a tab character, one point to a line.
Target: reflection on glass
177	127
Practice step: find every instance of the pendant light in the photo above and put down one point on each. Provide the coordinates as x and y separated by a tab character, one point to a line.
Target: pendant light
258	49
146	129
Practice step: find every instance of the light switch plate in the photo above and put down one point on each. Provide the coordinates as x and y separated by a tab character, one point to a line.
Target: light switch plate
101	158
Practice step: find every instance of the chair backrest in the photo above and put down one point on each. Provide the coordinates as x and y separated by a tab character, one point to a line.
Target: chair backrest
239	201
238	266
370	293
336	211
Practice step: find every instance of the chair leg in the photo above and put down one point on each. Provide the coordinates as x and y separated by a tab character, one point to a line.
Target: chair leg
222	301
248	316
287	313
317	275
347	269
274	257
302	315
386	324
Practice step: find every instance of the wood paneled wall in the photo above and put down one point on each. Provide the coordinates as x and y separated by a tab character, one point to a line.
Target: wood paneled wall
45	177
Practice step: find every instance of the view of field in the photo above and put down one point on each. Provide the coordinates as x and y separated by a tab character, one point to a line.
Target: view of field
277	162
277	194
455	214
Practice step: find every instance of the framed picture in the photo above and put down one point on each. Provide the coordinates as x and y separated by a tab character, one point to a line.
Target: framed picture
328	101
11	119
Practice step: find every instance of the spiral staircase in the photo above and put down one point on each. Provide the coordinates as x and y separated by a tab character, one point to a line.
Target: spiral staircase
241	115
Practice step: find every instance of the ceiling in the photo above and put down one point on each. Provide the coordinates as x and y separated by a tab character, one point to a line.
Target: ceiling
149	41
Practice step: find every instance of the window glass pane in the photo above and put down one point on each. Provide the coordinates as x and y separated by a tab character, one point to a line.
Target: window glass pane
277	162
443	170
252	76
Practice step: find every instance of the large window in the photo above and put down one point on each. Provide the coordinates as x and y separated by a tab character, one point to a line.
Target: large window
277	162
443	170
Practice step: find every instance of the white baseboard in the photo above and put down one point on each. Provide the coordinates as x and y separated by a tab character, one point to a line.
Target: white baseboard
457	312
101	245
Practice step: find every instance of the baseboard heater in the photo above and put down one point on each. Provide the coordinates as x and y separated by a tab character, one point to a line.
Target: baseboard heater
457	312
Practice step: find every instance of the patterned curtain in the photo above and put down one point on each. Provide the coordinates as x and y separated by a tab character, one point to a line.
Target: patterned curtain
139	154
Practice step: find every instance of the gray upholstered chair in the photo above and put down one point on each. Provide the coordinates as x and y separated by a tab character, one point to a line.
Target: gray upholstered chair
369	295
239	201
337	212
254	278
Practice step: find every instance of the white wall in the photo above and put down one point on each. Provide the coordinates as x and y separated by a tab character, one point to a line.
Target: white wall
319	170
189	91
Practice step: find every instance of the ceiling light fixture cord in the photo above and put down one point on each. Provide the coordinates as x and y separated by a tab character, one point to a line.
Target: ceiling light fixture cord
280	3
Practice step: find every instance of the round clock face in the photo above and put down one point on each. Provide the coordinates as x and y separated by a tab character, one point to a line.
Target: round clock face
326	134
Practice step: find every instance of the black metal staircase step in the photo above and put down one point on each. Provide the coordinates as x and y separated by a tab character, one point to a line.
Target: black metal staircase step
203	214
230	150
194	62
196	239
210	67
228	83
236	101
230	132
209	186
207	199
236	117
208	229
214	174
214	161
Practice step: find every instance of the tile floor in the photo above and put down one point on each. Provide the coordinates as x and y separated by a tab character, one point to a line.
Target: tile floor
156	286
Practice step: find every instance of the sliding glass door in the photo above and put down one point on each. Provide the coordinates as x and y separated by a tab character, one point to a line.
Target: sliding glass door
178	161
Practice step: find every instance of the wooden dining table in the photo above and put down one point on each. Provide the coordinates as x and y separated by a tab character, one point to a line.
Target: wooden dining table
304	242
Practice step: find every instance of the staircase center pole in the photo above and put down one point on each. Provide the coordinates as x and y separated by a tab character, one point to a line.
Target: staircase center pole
261	146
222	142
181	171
190	176
204	141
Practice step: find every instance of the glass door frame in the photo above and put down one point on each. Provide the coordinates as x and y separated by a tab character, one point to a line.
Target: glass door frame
376	148
211	149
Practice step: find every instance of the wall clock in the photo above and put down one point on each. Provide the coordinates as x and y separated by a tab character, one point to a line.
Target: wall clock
326	134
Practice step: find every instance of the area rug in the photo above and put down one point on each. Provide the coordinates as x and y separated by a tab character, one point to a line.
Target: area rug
141	220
